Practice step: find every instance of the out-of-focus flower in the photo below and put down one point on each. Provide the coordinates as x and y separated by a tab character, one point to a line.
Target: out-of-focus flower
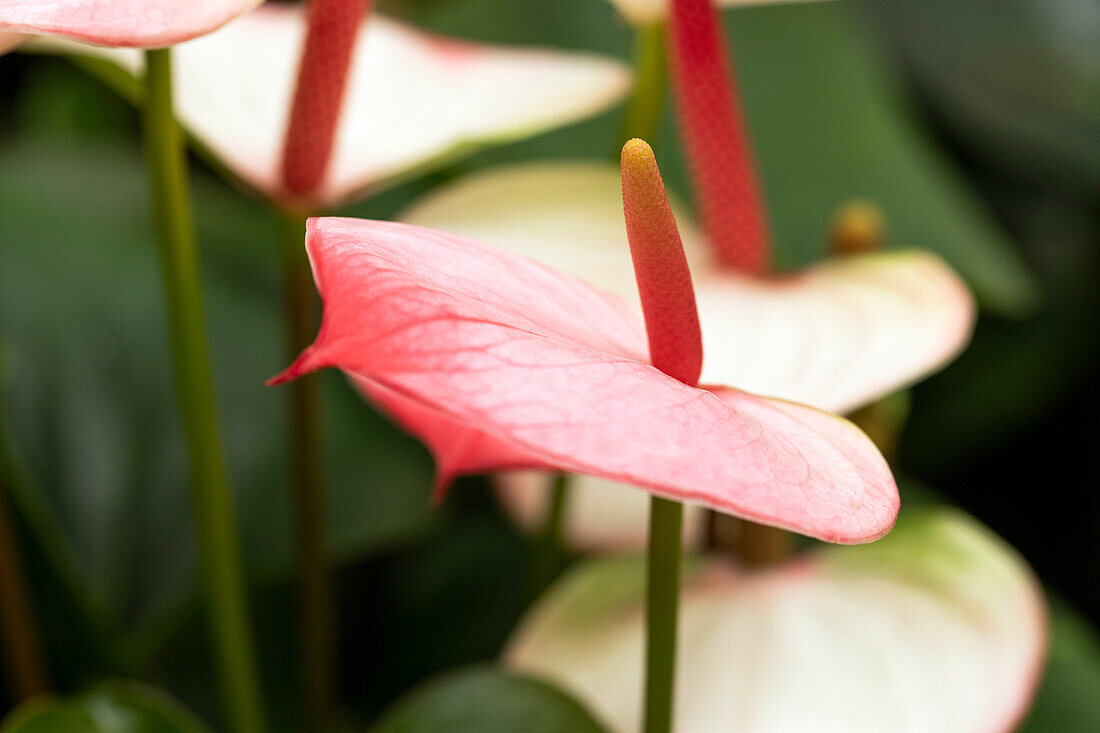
836	336
413	99
136	23
644	12
495	361
937	627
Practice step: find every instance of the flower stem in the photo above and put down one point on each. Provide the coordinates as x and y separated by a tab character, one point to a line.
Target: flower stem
316	616
215	521
548	553
662	601
24	661
643	111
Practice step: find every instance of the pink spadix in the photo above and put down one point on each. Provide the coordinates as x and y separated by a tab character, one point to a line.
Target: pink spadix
333	28
726	187
664	282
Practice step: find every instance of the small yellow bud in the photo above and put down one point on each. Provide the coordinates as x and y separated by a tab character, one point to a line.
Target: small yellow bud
857	228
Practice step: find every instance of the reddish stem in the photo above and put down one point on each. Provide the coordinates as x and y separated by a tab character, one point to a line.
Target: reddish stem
717	146
664	281
322	78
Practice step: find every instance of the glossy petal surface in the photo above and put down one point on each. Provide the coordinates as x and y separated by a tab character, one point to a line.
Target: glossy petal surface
837	336
552	368
937	627
642	12
141	23
413	98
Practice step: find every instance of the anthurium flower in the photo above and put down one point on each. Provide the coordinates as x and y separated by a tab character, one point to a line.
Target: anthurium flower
937	627
413	99
136	23
495	362
837	336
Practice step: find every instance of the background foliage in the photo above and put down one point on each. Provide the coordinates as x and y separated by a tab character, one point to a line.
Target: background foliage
977	138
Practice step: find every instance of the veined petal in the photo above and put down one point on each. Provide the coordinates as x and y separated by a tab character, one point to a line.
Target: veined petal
644	12
412	100
837	336
139	23
937	627
553	368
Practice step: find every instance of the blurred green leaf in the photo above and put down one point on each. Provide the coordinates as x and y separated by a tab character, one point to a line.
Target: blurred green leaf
829	123
1018	81
89	393
450	602
112	707
1069	698
1015	371
486	699
828	120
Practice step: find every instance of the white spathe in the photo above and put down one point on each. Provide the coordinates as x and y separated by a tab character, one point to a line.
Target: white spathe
937	627
413	98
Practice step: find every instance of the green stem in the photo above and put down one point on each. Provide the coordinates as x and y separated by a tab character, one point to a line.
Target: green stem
24	660
662	601
549	556
553	531
215	523
316	616
643	112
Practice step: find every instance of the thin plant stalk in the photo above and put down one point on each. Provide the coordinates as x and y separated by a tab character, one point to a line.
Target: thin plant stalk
662	605
24	660
317	641
333	29
549	555
214	514
647	102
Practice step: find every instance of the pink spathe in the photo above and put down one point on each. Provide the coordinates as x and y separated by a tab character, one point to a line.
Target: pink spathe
466	344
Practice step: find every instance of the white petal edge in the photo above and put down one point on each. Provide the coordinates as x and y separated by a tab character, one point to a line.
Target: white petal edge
938	627
414	98
645	12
